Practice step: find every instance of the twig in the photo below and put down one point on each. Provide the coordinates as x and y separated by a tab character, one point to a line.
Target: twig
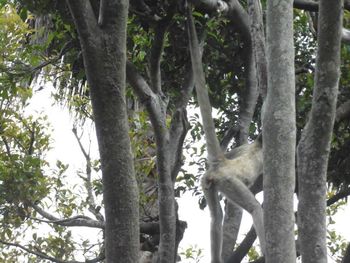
45	256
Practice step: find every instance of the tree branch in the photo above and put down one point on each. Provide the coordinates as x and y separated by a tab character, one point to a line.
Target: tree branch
179	123
156	105
306	5
93	208
343	111
346	257
242	250
83	14
157	50
340	195
232	223
311	6
47	257
78	221
138	83
7	146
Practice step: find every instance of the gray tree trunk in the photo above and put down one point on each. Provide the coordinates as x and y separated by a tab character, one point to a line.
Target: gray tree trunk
104	52
314	147
279	134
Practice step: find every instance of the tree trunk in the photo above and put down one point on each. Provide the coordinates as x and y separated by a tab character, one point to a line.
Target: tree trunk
104	53
279	134
314	146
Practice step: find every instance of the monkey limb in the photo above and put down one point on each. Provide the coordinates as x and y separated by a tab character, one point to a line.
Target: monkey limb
230	174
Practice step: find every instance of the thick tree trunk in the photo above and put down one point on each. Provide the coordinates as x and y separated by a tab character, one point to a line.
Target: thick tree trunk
314	147
104	52
279	134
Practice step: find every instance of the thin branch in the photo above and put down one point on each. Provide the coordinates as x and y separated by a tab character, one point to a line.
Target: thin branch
66	47
342	194
157	50
313	7
47	257
306	5
32	140
138	82
37	253
86	155
91	198
243	248
78	221
7	146
179	124
230	133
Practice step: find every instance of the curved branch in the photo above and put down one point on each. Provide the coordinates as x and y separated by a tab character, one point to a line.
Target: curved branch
138	83
243	248
79	220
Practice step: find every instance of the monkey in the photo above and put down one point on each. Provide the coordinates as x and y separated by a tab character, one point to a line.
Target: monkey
231	174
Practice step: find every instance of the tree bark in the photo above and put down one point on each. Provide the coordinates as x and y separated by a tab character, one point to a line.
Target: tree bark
169	149
314	146
346	257
232	223
104	53
258	44
279	134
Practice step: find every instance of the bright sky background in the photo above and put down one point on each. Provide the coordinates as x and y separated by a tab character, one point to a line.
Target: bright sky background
65	148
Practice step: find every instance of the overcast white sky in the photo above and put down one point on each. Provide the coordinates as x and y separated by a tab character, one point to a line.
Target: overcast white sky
65	148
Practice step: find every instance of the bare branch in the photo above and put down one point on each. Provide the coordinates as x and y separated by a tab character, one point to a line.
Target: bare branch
306	5
79	220
93	208
213	147
157	50
311	6
343	111
258	44
243	248
138	83
230	133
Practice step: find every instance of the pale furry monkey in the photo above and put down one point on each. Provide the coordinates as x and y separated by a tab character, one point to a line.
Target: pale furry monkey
231	175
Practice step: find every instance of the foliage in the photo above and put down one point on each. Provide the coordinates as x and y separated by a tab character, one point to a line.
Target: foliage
335	242
39	37
193	253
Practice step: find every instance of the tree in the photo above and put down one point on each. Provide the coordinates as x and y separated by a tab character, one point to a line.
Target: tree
279	134
87	60
314	146
104	54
